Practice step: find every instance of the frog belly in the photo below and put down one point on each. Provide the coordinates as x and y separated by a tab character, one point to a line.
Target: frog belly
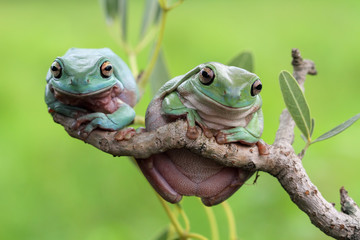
179	172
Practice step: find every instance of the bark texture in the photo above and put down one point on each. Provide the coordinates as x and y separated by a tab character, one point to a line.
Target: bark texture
281	162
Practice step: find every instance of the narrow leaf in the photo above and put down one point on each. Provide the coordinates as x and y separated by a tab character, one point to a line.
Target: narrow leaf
243	60
338	129
295	102
303	138
110	9
312	127
122	9
160	74
151	15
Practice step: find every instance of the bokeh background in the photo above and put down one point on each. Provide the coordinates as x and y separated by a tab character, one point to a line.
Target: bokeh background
55	187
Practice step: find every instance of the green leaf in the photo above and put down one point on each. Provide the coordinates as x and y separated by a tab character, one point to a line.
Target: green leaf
312	127
160	74
338	129
122	9
111	9
152	13
303	138
243	60
116	9
295	102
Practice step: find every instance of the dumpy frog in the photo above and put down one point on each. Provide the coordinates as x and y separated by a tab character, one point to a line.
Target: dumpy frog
224	102
94	86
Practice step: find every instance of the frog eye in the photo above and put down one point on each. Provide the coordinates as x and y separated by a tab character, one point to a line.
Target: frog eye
106	69
256	88
207	76
56	69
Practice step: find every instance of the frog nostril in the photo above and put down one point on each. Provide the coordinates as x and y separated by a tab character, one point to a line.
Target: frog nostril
71	82
87	80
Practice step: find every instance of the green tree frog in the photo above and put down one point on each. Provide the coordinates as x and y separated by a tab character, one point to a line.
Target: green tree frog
225	102
94	86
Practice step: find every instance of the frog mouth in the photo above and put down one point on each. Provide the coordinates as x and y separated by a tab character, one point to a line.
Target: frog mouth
80	95
105	100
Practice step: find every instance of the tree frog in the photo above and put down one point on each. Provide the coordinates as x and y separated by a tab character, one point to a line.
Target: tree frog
224	102
95	86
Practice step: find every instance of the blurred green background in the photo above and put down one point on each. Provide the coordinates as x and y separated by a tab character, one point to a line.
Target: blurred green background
56	187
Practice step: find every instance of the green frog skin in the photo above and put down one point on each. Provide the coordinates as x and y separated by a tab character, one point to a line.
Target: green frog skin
225	102
94	86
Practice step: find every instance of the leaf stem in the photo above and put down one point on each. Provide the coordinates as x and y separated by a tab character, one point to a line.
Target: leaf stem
212	221
171	232
165	9
231	220
174	5
149	69
133	63
196	236
139	120
172	218
145	40
184	216
302	153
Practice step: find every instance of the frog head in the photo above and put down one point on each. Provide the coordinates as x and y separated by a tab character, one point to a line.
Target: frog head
83	72
230	86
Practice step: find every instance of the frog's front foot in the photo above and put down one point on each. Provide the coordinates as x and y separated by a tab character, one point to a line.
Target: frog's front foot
192	133
220	137
263	148
238	134
207	132
125	134
95	120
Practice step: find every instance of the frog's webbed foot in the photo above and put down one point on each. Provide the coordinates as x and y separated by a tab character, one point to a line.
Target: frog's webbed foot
263	148
95	120
192	132
125	134
244	137
238	134
220	137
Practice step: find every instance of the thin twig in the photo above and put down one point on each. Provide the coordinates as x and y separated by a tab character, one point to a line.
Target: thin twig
143	80
165	9
139	120
196	236
212	221
231	220
179	230
184	216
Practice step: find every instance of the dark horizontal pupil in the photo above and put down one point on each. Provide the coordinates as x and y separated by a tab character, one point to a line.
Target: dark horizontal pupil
54	68
108	68
205	74
259	87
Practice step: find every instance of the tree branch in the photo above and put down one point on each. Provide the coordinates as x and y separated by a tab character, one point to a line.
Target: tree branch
281	162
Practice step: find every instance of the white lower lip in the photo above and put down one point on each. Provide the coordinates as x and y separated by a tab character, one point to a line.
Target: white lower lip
83	94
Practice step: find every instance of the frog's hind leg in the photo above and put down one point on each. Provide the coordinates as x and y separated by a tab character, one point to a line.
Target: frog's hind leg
158	182
238	181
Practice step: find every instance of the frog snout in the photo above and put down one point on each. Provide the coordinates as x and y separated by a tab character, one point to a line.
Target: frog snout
77	82
232	96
